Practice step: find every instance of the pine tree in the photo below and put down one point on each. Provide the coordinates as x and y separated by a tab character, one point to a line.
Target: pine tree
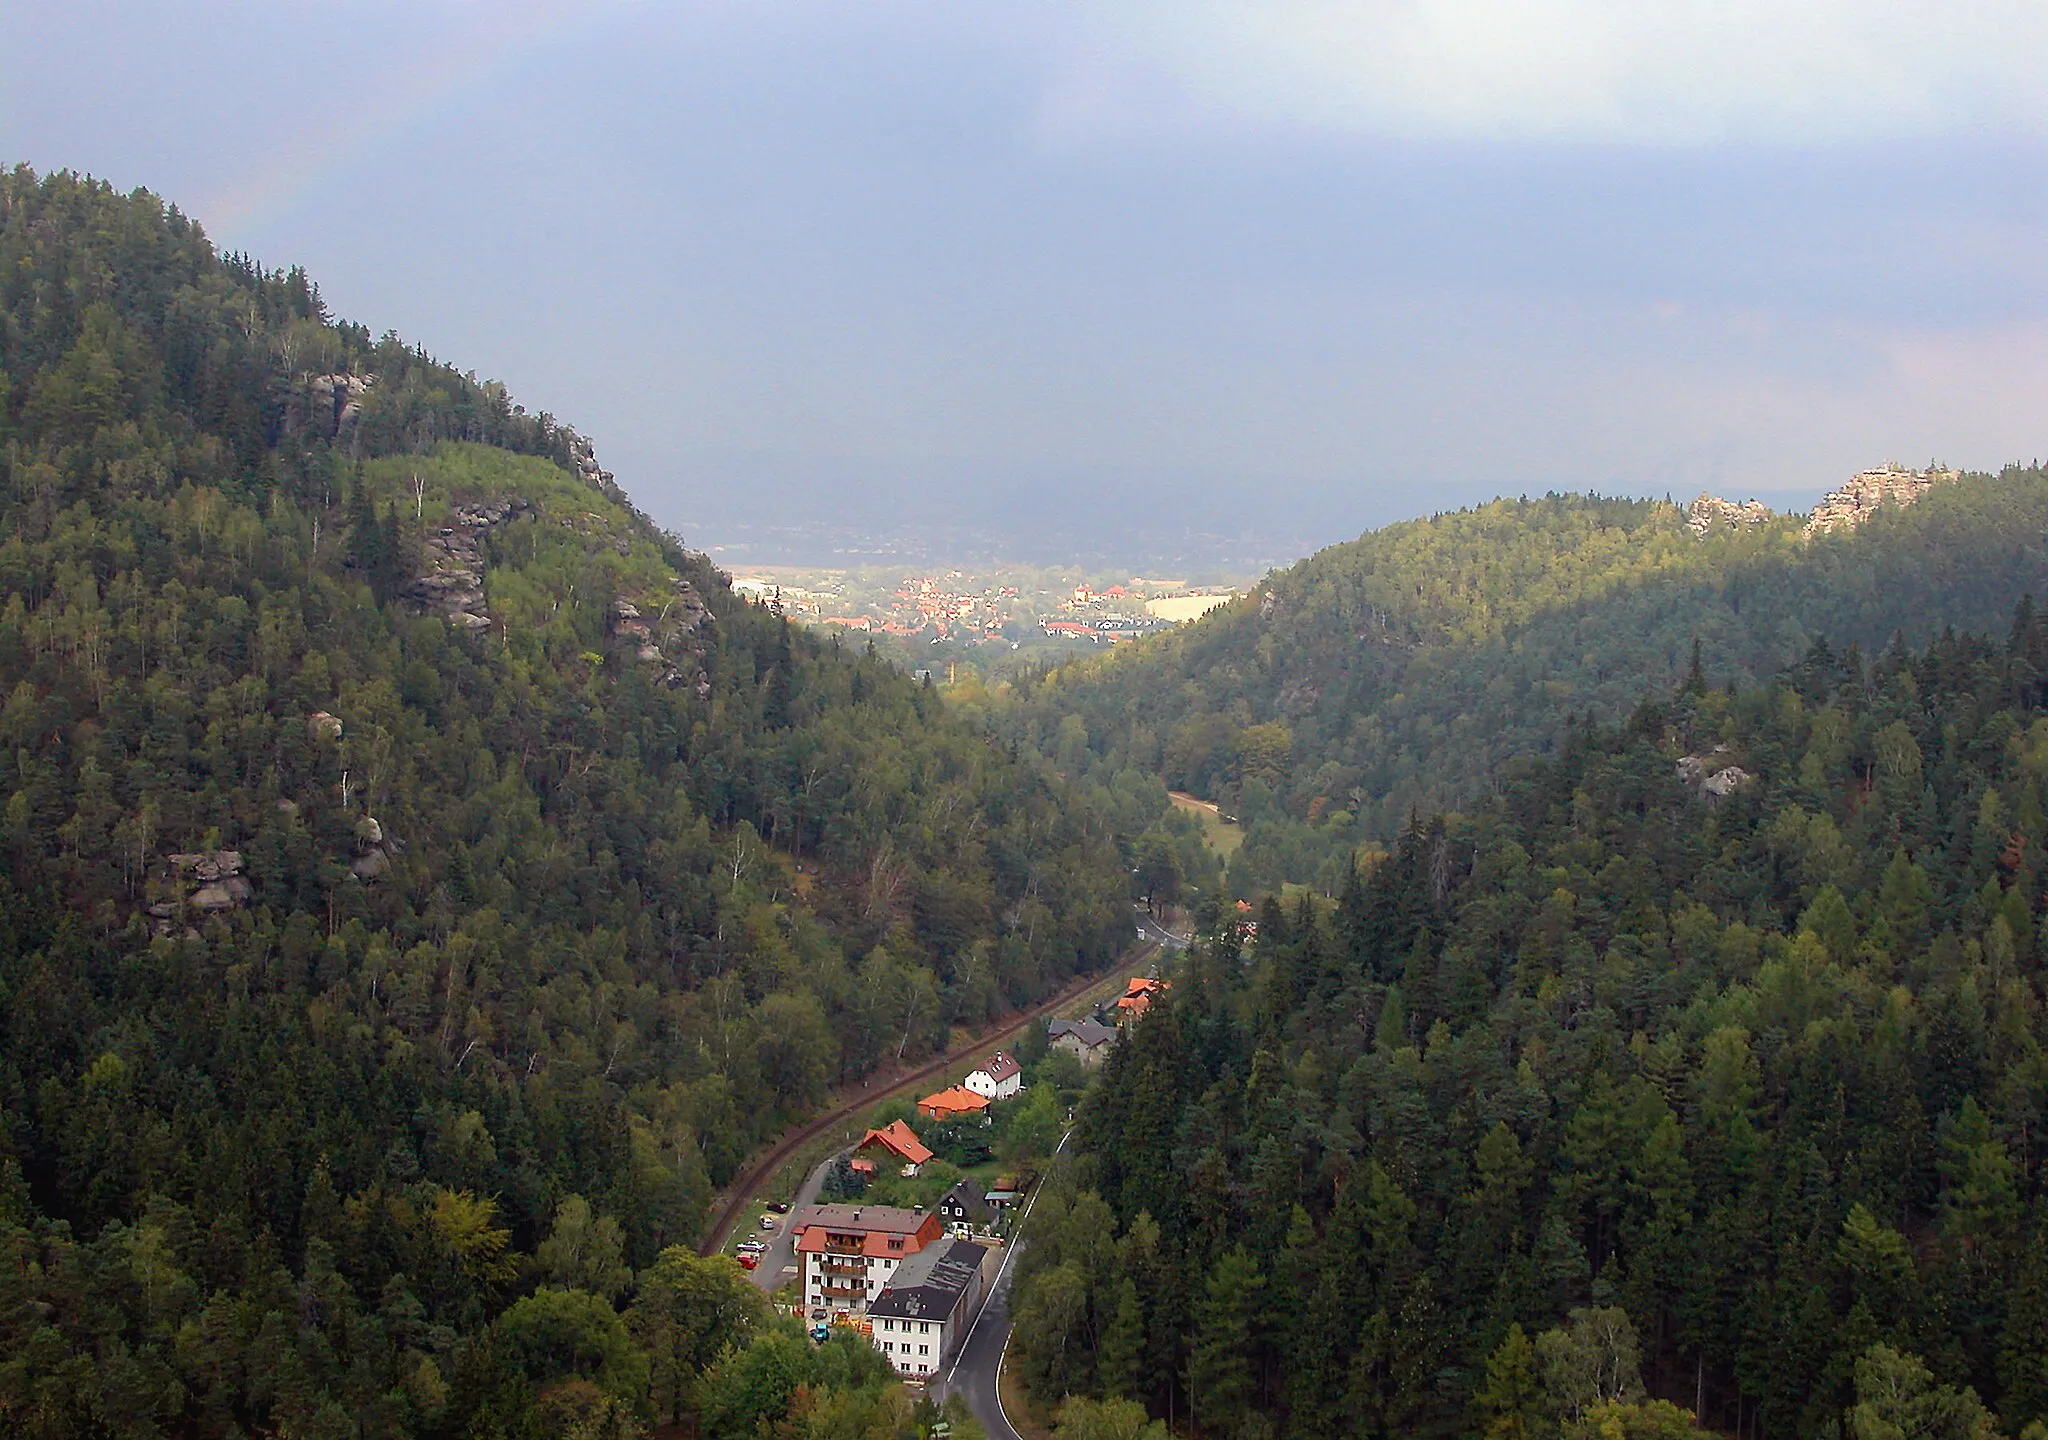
1510	1399
1221	1377
2023	1353
1122	1366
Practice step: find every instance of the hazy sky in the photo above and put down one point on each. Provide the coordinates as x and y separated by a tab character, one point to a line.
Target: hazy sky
1290	268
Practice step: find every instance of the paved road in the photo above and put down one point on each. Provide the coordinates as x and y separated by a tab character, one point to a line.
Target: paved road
1150	929
978	1363
781	1250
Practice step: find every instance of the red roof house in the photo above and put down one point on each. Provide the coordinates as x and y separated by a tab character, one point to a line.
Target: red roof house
894	1143
958	1103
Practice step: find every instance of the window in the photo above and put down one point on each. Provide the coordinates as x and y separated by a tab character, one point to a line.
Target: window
924	1349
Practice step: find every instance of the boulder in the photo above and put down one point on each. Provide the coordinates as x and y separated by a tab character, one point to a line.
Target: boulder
322	726
1722	784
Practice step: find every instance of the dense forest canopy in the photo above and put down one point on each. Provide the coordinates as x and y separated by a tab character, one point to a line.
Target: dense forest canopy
1618	1096
1400	671
381	996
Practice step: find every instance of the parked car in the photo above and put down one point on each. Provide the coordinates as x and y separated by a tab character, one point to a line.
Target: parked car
749	1260
780	1207
752	1247
767	1222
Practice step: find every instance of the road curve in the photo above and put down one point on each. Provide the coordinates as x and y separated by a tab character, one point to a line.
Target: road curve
976	1370
750	1181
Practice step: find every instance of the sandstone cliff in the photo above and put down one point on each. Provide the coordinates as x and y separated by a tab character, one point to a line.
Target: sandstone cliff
1870	490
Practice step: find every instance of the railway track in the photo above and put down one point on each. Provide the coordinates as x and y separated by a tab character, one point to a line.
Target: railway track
757	1174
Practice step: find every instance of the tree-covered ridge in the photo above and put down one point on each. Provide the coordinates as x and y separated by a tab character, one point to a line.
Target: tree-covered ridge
1739	1099
539	939
1401	670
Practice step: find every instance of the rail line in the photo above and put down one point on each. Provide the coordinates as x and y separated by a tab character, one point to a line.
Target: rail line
750	1180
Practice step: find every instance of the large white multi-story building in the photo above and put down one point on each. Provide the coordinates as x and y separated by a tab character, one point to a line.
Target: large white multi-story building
848	1253
921	1317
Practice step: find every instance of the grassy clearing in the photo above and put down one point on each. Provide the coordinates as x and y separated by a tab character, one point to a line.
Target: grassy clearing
1224	836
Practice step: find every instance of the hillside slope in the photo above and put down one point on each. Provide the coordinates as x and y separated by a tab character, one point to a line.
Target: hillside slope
410	852
1728	1092
1398	671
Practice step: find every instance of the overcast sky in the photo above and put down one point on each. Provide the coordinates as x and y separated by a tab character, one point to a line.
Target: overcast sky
1284	267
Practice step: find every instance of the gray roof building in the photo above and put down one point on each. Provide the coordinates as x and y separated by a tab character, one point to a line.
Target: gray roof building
934	1284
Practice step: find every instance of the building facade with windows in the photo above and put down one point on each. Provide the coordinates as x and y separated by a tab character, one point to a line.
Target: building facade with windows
921	1317
998	1077
848	1253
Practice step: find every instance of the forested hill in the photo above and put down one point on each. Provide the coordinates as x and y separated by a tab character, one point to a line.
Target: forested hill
1399	670
422	881
1610	1099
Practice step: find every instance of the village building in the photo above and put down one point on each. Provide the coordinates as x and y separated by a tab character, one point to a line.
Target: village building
894	1144
848	1253
1137	997
964	1209
998	1077
919	1320
1088	1041
957	1103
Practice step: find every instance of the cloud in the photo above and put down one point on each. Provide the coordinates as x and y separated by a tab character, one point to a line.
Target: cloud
1654	72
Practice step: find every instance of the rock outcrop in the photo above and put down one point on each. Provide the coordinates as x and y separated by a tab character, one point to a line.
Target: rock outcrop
452	585
1868	491
205	882
673	641
1712	774
1710	513
373	850
328	406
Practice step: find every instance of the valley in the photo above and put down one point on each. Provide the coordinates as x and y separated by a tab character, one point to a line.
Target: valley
1569	966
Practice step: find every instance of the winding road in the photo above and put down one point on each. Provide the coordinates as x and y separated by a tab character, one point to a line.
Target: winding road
978	1364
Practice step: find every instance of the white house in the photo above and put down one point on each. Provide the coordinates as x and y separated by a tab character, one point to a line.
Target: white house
849	1253
999	1077
924	1313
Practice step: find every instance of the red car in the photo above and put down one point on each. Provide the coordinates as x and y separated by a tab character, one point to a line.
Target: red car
749	1260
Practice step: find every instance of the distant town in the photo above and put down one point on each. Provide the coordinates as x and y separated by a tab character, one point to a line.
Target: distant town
999	607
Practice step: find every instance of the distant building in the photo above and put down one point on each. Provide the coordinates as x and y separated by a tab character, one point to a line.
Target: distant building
1137	997
895	1143
956	1103
849	1252
930	1303
998	1077
1088	1041
1067	630
964	1208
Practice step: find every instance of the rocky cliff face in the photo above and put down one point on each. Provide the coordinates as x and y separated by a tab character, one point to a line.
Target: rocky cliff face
1870	490
452	585
672	641
1710	513
327	406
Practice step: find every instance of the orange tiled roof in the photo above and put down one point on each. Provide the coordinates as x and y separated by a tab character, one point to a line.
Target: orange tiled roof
958	1100
899	1139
